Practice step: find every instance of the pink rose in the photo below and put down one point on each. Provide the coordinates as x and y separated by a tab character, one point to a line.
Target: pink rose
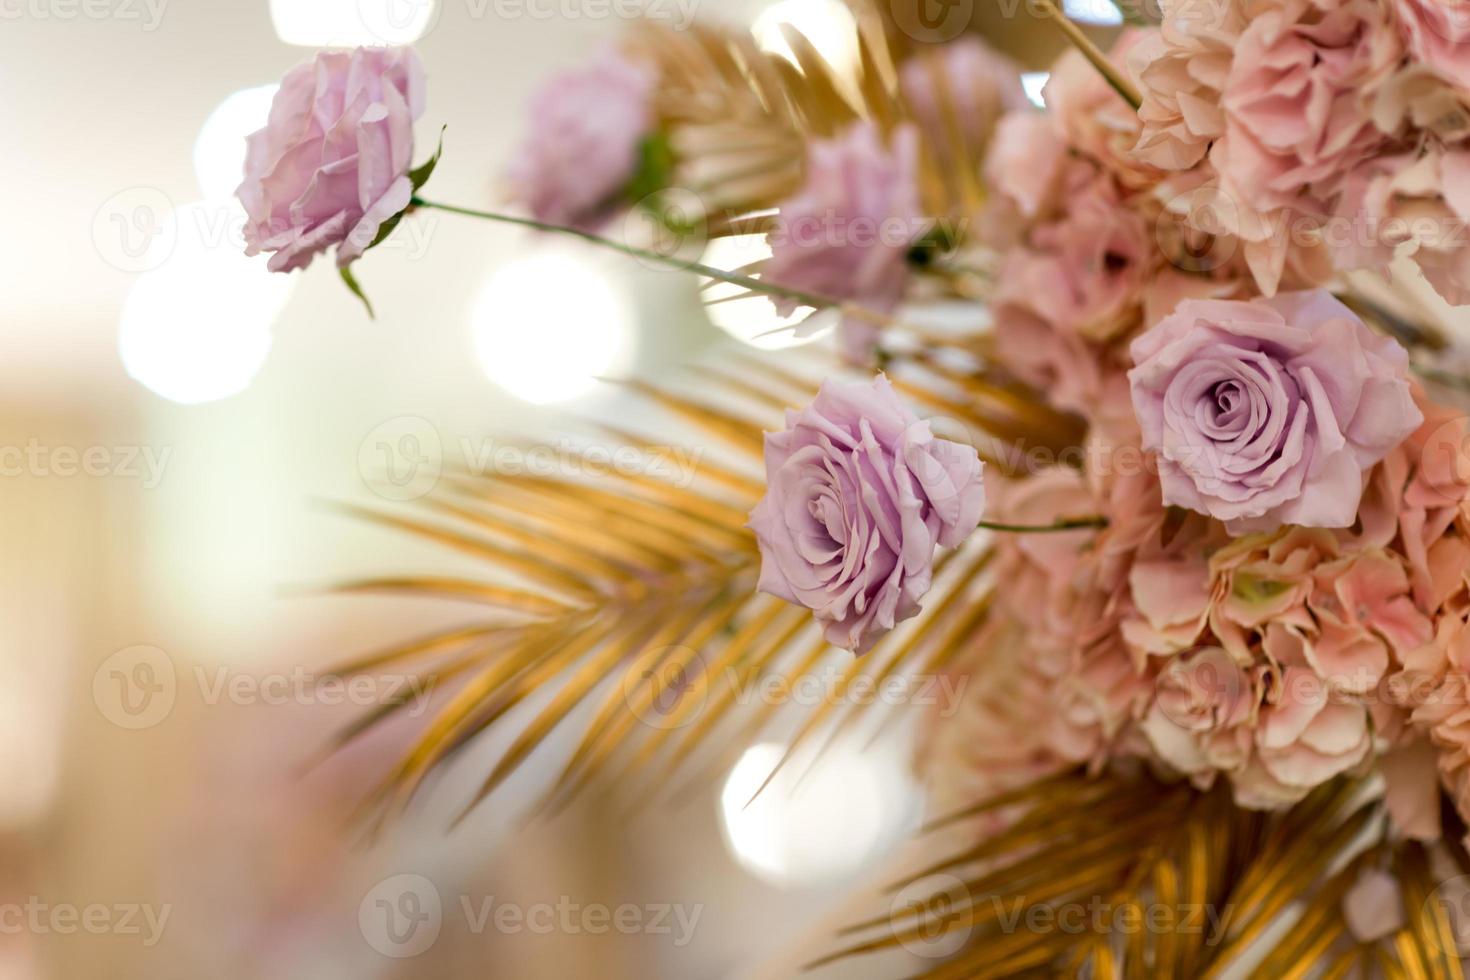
331	165
846	234
1438	34
858	495
1271	411
1065	368
587	129
1084	273
961	90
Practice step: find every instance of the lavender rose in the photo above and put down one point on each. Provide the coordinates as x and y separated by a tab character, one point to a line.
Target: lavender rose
1271	411
588	126
858	494
331	165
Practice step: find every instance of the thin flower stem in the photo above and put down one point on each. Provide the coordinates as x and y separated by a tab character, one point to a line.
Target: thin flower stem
685	265
1091	51
1067	524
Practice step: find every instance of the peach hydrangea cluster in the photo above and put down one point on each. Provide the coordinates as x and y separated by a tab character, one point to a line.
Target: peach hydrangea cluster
1275	660
1322	134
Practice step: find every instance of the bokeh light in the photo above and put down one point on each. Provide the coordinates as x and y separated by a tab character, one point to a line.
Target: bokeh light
753	319
349	23
546	327
198	327
219	149
827	24
811	828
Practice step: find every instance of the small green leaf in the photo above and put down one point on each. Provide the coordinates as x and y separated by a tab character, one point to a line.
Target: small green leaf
655	167
352	284
386	229
420	175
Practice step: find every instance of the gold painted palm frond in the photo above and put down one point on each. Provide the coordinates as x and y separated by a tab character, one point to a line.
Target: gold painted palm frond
740	118
627	603
1124	876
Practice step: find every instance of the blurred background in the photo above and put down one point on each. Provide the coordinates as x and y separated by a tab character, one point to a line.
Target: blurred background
173	419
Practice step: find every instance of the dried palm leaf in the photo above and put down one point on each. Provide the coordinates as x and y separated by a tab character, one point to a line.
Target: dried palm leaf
627	602
1124	876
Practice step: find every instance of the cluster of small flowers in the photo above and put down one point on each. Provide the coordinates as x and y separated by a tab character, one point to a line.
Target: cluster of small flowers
1282	599
1324	134
1277	659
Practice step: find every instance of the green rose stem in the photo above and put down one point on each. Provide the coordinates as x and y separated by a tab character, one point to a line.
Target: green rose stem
756	286
686	265
1067	524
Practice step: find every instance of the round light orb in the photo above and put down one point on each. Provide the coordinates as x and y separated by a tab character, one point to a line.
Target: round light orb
350	23
817	828
546	327
828	24
198	327
219	150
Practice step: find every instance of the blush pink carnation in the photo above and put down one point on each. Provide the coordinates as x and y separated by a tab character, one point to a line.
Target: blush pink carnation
1086	272
859	493
331	165
587	127
1180	71
1296	120
1271	411
1417	203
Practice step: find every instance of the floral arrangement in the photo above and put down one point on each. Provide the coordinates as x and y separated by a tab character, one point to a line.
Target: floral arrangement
1194	519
